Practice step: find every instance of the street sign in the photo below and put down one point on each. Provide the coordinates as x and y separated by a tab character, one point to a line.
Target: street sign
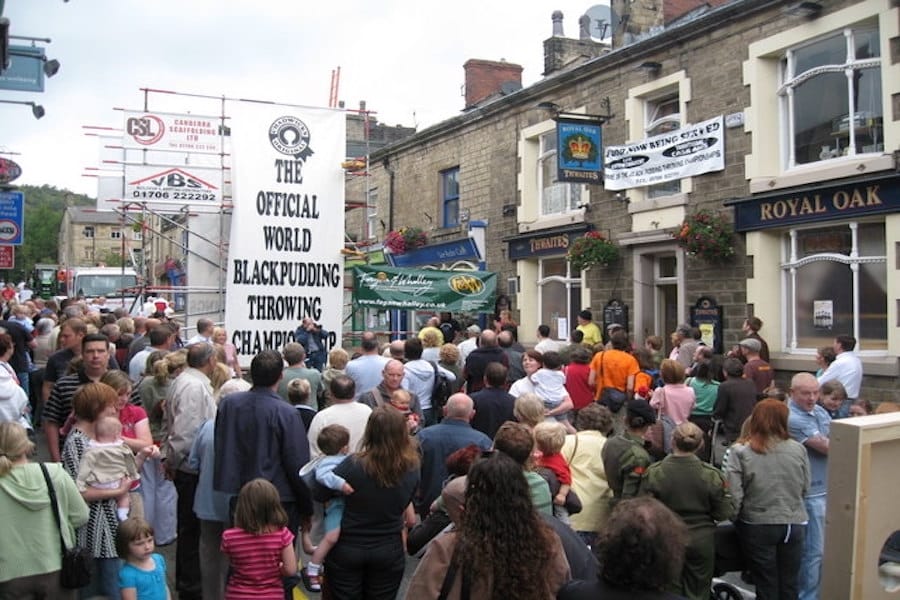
9	170
26	70
7	257
12	217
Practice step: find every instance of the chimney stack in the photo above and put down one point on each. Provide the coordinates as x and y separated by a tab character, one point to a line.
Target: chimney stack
485	78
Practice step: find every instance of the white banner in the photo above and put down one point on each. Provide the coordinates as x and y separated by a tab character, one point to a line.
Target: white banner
162	187
175	132
287	229
691	150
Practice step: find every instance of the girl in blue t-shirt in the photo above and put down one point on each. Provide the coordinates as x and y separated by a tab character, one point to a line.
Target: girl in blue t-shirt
143	576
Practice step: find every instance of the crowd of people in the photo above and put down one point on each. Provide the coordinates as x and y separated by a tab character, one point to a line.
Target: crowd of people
572	469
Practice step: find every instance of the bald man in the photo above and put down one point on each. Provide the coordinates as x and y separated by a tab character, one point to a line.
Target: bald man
437	442
810	424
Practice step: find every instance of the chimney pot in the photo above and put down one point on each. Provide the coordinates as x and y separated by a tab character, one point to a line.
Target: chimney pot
557	18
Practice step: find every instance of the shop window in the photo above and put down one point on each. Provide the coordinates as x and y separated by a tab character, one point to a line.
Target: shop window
831	96
556	198
835	279
450	197
559	294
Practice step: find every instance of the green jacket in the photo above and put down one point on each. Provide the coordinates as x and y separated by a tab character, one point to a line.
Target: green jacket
30	541
624	461
693	489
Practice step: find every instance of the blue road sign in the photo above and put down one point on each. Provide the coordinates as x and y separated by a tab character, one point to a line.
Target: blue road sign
12	218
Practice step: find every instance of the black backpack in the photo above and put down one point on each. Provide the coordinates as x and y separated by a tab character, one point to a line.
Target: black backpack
440	393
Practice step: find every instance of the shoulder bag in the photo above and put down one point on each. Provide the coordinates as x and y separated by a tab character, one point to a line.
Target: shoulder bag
76	561
610	397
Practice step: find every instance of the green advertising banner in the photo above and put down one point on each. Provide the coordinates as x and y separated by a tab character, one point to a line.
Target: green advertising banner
423	289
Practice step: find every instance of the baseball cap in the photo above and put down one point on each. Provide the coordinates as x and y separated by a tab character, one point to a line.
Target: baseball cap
751	344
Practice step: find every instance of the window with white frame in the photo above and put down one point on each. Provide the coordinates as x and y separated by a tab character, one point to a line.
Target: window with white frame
556	198
662	114
835	282
88	231
372	213
559	296
450	197
115	234
137	234
831	96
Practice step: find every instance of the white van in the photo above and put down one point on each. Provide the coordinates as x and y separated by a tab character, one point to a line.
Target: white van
119	286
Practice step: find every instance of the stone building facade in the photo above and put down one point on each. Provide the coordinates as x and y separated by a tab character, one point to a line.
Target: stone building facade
88	237
810	121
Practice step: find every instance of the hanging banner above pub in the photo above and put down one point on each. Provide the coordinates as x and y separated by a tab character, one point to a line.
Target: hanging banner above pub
579	150
384	287
691	150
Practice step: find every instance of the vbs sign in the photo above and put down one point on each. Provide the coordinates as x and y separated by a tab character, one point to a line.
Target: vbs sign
423	289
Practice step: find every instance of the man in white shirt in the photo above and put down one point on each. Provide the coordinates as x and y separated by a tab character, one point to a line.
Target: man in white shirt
545	344
204	332
468	344
846	368
343	411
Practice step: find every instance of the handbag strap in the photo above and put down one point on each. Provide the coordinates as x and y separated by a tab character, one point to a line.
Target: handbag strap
54	505
465	591
574	450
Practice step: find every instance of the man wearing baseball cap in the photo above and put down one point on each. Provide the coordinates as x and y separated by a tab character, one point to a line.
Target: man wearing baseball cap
756	369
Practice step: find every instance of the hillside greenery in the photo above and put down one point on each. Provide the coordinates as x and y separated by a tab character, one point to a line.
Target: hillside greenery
44	208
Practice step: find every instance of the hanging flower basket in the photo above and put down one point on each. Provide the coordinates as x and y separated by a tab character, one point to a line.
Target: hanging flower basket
592	249
405	239
707	235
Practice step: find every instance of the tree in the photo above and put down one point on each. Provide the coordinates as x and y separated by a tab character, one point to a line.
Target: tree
44	209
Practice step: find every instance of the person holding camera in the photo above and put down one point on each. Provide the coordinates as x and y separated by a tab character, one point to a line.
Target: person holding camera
312	336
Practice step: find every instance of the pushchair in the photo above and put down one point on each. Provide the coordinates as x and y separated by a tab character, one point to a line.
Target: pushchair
728	560
728	551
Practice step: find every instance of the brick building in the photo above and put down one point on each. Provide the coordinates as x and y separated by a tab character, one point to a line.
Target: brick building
807	95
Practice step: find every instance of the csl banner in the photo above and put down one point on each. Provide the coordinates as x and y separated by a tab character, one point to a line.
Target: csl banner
423	289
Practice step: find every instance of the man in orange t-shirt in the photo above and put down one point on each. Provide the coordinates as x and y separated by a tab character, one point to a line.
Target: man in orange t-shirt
614	368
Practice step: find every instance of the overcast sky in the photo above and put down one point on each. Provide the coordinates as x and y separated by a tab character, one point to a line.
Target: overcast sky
404	57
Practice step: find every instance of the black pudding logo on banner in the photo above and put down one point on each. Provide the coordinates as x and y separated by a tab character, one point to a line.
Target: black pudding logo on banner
290	136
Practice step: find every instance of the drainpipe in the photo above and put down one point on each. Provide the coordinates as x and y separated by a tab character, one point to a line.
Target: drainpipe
386	163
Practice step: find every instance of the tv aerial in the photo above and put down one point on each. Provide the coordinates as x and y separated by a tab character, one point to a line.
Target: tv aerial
603	23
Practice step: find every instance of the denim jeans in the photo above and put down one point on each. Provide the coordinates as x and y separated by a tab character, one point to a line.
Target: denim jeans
813	548
773	554
104	579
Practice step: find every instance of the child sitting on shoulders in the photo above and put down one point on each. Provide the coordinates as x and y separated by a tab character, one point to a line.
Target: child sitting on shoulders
143	574
549	438
108	460
550	384
402	401
334	441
